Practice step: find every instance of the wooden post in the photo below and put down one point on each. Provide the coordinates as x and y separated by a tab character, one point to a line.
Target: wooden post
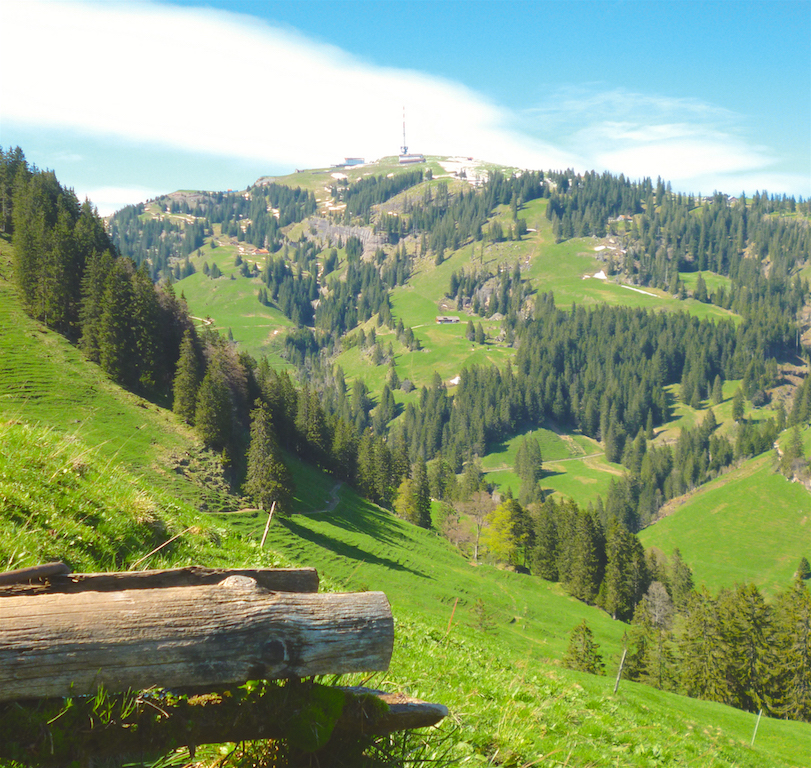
70	643
49	735
757	724
267	525
619	671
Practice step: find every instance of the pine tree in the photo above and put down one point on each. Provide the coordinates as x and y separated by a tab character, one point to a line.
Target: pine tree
268	479
187	380
704	655
790	687
117	352
213	411
583	652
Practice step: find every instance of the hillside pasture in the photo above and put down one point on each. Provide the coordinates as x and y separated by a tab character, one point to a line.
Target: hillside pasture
750	525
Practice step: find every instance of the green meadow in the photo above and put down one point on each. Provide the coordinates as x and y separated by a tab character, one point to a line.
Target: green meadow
85	475
750	525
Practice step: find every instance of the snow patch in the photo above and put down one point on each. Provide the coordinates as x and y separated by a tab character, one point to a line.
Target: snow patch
639	290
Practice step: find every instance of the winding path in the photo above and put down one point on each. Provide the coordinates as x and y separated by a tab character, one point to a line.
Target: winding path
333	502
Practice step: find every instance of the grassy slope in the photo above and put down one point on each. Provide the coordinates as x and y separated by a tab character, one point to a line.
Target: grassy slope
750	525
549	266
45	380
63	499
503	683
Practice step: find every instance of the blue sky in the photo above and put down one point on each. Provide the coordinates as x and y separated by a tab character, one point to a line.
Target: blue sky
128	100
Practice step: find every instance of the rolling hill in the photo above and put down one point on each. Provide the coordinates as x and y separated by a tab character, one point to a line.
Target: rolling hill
486	642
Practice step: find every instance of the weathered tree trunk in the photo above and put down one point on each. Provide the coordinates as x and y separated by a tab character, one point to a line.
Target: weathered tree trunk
309	717
56	577
70	643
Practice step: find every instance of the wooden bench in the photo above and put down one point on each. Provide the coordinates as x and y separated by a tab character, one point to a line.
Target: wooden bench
174	650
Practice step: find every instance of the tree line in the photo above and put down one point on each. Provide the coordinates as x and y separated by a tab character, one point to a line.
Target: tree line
256	216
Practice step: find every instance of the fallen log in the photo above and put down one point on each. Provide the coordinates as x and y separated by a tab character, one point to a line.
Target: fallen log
70	643
310	717
55	577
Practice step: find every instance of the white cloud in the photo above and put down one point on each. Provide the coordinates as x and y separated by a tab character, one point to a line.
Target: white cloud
232	86
111	199
215	82
695	145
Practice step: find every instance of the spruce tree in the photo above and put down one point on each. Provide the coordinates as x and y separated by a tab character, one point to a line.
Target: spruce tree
545	545
422	495
790	686
187	380
117	352
749	637
480	338
268	479
703	652
212	414
738	405
583	652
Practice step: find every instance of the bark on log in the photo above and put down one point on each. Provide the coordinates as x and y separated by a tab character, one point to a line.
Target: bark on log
56	645
308	717
403	714
35	572
54	578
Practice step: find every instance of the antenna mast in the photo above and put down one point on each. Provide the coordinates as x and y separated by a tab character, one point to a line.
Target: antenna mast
404	147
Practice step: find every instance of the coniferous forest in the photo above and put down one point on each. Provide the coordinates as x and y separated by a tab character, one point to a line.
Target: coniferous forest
598	370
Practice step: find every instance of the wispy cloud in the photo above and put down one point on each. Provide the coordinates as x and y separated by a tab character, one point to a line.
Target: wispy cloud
111	199
216	82
206	81
695	145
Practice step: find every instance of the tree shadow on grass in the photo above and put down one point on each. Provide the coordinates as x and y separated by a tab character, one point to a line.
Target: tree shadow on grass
345	550
368	520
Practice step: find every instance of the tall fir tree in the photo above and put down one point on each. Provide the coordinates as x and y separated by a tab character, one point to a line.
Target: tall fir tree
187	380
790	687
268	479
213	410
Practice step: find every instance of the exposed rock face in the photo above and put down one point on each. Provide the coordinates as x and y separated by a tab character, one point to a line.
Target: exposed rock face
324	228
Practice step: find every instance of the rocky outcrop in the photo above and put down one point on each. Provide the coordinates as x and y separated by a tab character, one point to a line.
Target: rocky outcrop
324	228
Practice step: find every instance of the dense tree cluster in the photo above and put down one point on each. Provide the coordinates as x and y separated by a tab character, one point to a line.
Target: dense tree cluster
486	294
71	278
255	216
736	648
601	370
360	196
445	220
583	205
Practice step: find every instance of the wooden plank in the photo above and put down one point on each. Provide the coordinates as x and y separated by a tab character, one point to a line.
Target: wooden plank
55	578
70	643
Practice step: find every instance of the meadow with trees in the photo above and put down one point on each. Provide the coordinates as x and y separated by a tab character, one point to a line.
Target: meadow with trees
611	374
